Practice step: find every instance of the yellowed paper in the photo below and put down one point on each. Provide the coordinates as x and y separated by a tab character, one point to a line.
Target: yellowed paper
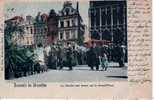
138	85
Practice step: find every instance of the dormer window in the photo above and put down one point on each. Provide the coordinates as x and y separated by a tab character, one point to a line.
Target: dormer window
67	11
72	11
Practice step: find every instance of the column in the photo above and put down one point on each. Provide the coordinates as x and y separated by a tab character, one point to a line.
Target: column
58	35
124	20
111	24
76	34
59	24
89	21
94	19
100	16
71	24
70	34
100	23
111	57
106	17
65	24
124	15
117	16
64	36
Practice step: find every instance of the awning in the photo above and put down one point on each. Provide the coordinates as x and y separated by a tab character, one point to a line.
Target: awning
99	41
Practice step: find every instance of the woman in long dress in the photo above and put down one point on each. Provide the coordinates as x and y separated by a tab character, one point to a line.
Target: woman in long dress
40	59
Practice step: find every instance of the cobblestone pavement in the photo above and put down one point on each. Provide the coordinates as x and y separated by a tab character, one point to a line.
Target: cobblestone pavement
80	73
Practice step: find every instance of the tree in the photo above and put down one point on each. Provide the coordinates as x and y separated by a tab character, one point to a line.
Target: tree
15	57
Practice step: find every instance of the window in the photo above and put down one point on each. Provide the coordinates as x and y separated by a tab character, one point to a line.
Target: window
61	35
73	22
92	18
45	29
103	17
121	15
115	16
68	23
34	30
62	24
27	29
67	34
31	30
27	40
42	31
39	30
97	17
67	11
72	11
108	16
74	34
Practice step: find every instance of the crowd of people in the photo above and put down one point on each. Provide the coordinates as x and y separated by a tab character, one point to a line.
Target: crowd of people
40	58
57	57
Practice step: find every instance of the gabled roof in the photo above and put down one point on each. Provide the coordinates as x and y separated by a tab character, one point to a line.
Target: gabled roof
68	4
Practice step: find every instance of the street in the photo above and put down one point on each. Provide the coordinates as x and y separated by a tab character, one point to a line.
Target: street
80	73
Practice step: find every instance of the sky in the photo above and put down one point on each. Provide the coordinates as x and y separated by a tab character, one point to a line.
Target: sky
31	8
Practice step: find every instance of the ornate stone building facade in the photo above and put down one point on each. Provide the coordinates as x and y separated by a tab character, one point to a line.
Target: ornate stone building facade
66	26
107	21
33	30
40	29
52	24
70	24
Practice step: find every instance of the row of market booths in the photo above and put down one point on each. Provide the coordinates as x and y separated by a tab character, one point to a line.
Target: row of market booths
114	52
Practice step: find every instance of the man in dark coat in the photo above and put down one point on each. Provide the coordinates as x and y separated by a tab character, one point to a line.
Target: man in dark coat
92	59
69	57
97	53
120	56
59	58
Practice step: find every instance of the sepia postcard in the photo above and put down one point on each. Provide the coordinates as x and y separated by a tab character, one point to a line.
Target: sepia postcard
76	49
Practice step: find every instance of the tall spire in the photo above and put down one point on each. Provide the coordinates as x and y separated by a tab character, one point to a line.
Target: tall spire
77	6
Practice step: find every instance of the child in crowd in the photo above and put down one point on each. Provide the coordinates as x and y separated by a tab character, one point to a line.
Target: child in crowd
103	61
